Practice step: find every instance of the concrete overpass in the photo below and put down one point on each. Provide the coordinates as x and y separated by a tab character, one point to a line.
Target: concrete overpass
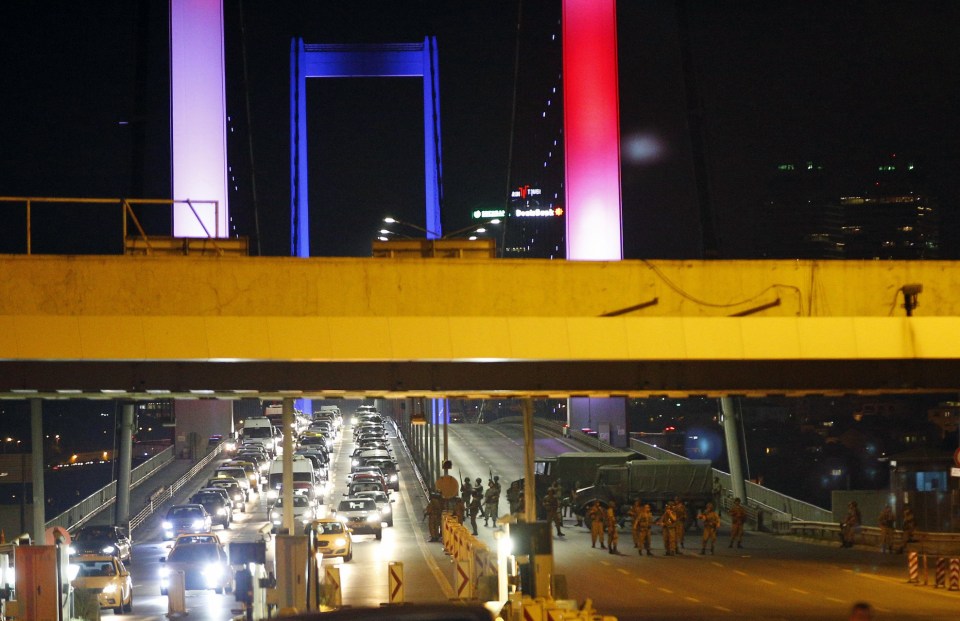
148	327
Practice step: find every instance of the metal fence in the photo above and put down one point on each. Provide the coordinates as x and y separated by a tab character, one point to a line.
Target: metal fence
80	513
156	500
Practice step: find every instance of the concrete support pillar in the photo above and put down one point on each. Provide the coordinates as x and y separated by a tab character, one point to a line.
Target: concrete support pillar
732	436
124	463
287	490
446	438
36	462
437	423
529	480
427	443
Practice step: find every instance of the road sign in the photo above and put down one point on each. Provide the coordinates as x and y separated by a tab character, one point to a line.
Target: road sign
395	582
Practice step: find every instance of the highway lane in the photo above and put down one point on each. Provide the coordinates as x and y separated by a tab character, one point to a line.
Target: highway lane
770	578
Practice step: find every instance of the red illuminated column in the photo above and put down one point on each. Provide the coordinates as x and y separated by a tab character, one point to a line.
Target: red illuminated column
591	124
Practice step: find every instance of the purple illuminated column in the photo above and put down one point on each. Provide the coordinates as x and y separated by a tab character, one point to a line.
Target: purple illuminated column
591	125
198	117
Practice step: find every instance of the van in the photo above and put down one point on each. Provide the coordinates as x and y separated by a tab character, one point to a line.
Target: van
260	429
302	471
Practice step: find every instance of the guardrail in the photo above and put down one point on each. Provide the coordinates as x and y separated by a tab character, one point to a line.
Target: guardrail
157	500
923	542
562	430
80	513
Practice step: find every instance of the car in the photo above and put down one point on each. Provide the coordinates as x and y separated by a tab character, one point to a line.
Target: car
304	510
355	470
255	457
239	475
362	477
223	493
332	538
250	468
366	486
361	516
186	518
232	487
204	566
383	501
186	540
216	506
456	417
106	540
389	469
107	577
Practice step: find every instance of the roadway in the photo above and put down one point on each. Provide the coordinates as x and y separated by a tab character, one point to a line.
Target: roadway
771	577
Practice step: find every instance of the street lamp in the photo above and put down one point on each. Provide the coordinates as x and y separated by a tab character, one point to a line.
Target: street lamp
475	228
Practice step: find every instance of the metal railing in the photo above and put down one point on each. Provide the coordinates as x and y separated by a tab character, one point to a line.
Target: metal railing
156	500
80	513
923	542
126	212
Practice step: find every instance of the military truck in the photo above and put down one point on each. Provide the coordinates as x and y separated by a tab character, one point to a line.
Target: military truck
571	469
652	482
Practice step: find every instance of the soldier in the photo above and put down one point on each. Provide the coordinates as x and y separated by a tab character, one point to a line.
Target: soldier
466	490
718	495
573	500
681	524
886	523
478	489
490	498
634	514
909	526
613	534
850	525
597	517
474	509
433	512
496	484
459	509
642	527
711	522
552	507
738	515
667	522
513	497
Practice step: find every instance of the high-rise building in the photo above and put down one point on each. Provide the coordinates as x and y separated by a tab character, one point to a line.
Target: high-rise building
536	225
802	218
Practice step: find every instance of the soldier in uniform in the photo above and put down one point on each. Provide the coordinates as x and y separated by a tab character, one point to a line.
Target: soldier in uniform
634	514
886	522
738	515
490	498
478	489
573	500
850	525
642	526
513	497
717	492
612	525
597	516
459	509
474	509
667	522
433	512
909	526
466	490
681	524
711	522
552	506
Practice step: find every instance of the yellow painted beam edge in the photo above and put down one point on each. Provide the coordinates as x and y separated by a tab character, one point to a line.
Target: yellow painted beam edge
205	338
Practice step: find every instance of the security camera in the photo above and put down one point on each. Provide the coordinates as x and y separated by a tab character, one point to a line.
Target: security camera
912	289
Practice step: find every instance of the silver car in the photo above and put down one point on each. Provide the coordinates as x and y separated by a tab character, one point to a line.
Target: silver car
361	515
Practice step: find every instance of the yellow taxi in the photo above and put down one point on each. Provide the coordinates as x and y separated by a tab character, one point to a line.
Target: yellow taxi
332	538
107	577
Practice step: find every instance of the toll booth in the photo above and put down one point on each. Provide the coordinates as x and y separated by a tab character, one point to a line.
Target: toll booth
532	557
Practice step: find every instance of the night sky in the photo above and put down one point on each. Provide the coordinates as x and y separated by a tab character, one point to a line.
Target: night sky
85	104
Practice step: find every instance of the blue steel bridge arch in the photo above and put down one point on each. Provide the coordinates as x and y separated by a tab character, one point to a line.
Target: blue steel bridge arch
310	60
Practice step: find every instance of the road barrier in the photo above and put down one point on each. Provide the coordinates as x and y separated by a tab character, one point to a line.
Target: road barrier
395	582
940	574
331	578
955	574
176	595
913	567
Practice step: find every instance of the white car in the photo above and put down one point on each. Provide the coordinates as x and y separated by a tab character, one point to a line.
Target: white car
304	511
383	504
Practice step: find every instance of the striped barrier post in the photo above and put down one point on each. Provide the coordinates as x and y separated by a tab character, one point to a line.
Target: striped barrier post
533	610
913	567
955	574
940	577
395	582
445	531
331	578
464	580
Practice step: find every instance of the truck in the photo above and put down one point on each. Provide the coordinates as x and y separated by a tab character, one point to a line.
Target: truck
652	482
571	469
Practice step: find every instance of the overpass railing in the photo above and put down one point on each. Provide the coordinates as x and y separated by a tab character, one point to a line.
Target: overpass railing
781	508
562	430
80	513
157	499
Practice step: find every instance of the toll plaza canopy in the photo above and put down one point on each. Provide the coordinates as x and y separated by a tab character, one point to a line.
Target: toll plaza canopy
230	327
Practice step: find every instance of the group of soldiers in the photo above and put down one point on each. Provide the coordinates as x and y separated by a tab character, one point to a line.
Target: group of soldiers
887	523
473	502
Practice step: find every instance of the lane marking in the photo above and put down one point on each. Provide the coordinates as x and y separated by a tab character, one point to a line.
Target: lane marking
624	571
692	599
722	609
834	599
770	582
665	590
800	591
715	563
740	573
605	563
642	581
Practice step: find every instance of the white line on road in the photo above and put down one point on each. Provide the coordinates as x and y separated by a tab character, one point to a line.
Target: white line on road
740	573
642	581
664	590
624	571
692	599
770	582
800	591
722	609
716	563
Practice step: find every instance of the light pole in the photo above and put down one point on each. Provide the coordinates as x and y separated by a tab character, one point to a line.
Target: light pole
474	228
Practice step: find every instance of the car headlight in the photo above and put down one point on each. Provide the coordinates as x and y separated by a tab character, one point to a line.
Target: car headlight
198	523
374	518
108	549
273	494
340	542
355	462
238	498
71	550
167	525
230	446
110	588
385	509
275	514
221	511
164	572
393	478
307	515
